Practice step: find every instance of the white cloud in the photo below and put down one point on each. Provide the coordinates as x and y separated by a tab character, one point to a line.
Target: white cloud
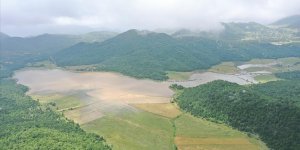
91	21
19	17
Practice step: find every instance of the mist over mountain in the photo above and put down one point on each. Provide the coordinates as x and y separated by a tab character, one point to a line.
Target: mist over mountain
290	21
20	18
150	74
146	54
3	35
48	43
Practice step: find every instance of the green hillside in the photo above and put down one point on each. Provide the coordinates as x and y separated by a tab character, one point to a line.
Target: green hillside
289	75
253	31
145	54
270	110
290	21
47	43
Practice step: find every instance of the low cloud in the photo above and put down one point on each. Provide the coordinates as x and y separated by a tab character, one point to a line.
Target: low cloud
31	17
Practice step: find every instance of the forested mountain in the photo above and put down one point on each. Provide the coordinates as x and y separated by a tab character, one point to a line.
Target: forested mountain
290	21
25	124
145	54
270	110
246	31
47	43
256	32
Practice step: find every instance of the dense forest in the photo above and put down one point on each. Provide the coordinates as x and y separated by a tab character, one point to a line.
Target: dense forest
25	124
270	110
295	75
145	54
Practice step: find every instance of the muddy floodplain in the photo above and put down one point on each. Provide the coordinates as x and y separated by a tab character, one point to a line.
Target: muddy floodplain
106	92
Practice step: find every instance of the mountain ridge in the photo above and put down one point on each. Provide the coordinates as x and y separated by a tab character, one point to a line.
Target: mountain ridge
290	21
151	55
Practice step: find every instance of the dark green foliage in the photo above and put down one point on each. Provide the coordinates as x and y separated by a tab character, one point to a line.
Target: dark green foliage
269	110
150	55
10	63
289	75
24	124
176	87
285	89
39	45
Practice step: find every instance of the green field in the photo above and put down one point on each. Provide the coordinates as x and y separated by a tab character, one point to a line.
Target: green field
265	78
260	61
271	65
60	101
255	69
290	60
150	130
225	67
134	131
196	133
168	110
278	65
173	75
156	126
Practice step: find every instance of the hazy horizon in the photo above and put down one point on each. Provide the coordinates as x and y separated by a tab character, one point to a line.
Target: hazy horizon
33	17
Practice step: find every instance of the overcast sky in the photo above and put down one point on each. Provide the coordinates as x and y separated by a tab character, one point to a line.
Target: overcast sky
32	17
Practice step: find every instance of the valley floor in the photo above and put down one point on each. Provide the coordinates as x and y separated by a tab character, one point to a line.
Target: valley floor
137	114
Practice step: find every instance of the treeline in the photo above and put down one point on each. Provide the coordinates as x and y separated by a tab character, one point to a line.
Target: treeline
10	63
270	110
25	124
295	75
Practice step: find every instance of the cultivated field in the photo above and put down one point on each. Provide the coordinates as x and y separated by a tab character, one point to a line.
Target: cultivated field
134	131
130	113
225	67
178	76
60	101
163	109
273	65
195	133
265	78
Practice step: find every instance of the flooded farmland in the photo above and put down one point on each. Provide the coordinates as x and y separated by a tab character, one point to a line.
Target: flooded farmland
107	93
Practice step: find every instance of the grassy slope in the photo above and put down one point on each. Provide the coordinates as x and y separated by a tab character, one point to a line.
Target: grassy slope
61	101
196	133
163	109
140	130
265	78
134	131
225	67
173	75
159	124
